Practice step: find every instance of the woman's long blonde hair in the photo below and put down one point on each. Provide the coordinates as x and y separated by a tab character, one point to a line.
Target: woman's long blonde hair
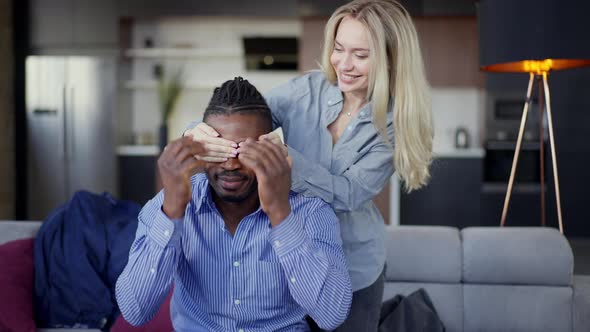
396	70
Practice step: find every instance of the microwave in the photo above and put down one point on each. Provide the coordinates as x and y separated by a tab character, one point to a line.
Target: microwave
504	114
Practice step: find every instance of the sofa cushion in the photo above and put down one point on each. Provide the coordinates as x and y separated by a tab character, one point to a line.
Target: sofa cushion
16	286
423	254
517	308
516	255
446	298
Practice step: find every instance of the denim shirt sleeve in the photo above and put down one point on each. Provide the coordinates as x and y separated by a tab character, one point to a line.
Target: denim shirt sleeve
360	183
280	99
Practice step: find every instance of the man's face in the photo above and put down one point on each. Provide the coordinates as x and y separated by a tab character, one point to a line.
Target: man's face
230	180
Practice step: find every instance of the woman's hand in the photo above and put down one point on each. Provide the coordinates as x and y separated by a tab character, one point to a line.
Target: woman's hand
216	149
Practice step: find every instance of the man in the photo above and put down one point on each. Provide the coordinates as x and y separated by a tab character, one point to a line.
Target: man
243	251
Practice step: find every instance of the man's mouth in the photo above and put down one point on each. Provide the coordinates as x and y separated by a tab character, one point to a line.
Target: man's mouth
231	182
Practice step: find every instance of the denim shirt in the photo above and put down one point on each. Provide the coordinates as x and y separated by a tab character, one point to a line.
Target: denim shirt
347	174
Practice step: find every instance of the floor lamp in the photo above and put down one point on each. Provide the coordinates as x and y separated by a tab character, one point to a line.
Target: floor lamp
534	37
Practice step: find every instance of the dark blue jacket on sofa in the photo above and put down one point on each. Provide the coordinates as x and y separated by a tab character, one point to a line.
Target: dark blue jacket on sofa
80	250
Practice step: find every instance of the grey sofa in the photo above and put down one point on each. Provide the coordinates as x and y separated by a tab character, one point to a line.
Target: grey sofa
479	279
490	278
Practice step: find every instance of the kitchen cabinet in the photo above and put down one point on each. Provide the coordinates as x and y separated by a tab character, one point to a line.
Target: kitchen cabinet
137	172
73	25
452	198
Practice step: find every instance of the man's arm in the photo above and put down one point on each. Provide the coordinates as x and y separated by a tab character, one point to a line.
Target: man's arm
154	254
309	248
147	278
305	238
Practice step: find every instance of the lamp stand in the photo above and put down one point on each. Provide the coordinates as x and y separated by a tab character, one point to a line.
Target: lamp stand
553	155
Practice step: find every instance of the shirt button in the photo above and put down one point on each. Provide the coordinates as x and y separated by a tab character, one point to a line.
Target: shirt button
236	263
236	301
293	279
277	243
152	270
241	330
166	233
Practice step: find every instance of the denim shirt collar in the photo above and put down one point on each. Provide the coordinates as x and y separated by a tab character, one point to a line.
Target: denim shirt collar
334	102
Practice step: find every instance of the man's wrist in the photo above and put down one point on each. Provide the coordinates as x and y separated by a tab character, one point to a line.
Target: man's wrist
277	215
172	209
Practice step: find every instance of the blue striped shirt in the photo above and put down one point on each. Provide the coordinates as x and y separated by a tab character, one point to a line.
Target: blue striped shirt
262	279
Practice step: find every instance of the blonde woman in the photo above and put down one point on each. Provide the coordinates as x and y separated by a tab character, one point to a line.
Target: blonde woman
348	127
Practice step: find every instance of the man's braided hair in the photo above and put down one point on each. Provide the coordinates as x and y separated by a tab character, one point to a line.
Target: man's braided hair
238	96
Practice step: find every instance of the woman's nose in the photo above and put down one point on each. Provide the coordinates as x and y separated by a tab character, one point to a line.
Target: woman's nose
345	62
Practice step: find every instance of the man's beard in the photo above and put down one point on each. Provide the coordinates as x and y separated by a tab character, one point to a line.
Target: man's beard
238	198
232	198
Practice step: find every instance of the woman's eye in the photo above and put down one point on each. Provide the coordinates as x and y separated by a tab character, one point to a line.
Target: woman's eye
362	56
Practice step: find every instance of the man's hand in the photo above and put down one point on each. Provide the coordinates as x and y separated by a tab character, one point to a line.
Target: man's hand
276	139
176	166
216	149
273	173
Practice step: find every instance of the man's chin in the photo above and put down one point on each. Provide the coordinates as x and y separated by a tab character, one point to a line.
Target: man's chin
233	198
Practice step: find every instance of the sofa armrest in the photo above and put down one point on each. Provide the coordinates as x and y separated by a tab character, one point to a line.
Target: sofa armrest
581	308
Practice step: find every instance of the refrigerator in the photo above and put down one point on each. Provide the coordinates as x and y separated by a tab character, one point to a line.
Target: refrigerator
70	102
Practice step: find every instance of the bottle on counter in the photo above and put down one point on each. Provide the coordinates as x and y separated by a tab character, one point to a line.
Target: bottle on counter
461	138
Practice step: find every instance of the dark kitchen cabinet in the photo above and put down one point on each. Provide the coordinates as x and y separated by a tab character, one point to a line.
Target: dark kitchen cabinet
452	198
137	177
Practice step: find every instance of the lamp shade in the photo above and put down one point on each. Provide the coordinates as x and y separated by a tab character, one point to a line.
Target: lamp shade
533	35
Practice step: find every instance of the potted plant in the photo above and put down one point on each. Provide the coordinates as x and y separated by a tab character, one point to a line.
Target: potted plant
169	92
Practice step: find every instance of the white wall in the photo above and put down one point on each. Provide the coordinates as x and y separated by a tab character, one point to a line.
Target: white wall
221	39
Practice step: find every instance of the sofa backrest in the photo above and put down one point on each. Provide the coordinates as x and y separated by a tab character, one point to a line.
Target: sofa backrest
427	257
517	279
516	256
14	230
423	254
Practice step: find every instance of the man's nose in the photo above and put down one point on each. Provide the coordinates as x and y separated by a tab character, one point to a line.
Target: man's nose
231	164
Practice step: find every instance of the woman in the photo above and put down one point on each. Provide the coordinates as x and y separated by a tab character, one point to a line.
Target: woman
348	127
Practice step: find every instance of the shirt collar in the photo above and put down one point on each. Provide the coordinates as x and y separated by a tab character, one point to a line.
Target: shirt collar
335	97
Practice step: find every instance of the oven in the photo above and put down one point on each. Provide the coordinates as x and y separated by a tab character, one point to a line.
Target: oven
498	162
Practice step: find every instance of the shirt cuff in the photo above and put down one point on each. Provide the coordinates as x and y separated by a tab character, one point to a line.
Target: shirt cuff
288	235
297	170
165	231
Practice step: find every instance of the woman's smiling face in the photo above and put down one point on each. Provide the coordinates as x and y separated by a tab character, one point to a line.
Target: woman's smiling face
351	56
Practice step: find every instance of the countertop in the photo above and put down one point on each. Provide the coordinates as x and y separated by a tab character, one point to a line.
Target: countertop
460	153
138	150
153	150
